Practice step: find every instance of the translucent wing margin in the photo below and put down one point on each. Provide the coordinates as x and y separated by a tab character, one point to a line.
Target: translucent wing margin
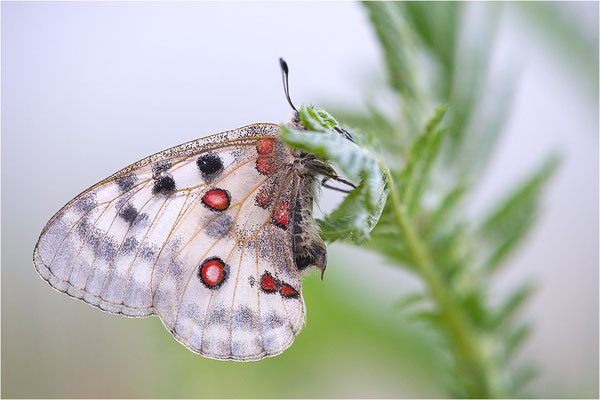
152	238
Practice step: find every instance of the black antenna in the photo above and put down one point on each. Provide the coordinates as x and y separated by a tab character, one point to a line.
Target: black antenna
286	86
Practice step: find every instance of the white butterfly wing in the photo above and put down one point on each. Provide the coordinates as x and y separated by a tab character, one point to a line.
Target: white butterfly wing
188	234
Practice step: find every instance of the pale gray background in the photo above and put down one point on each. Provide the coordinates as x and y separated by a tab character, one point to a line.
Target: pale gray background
88	88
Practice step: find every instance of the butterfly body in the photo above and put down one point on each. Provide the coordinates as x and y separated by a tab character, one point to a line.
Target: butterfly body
212	236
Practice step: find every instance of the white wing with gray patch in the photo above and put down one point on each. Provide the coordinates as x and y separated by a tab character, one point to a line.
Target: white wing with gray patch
196	234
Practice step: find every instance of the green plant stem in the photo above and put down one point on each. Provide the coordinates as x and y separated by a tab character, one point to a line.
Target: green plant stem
459	327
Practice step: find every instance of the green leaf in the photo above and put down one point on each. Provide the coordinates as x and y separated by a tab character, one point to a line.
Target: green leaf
514	301
319	121
390	245
428	317
359	212
450	250
437	24
523	376
352	218
415	175
399	45
511	219
401	53
410	299
445	209
516	338
373	121
470	73
570	40
475	305
490	115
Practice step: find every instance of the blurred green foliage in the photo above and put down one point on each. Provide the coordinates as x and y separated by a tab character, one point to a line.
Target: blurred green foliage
434	165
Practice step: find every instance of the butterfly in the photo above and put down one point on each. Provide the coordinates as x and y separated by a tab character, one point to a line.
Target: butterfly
212	236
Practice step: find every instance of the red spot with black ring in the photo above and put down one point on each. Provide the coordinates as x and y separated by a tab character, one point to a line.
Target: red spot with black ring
216	199
268	283
288	291
213	272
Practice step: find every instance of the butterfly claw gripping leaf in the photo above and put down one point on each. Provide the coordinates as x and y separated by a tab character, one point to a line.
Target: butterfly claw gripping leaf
212	236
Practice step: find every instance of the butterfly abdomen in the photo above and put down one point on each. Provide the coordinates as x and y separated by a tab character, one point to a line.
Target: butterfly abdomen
309	249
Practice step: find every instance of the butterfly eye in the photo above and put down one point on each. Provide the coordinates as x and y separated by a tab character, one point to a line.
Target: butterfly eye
212	272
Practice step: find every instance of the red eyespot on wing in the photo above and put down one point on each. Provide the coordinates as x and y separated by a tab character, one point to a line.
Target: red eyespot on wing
216	199
264	196
266	165
281	214
265	147
212	272
267	283
288	291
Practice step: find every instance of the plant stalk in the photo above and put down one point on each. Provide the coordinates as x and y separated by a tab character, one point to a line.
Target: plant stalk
458	325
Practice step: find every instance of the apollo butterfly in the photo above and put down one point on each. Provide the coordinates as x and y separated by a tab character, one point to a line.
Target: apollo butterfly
212	236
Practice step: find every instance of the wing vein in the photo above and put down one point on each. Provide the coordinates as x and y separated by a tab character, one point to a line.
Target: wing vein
93	265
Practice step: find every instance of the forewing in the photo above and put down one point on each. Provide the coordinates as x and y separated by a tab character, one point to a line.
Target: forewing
124	221
135	244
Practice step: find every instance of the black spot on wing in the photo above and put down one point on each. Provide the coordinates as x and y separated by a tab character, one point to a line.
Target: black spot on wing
163	184
210	165
128	213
